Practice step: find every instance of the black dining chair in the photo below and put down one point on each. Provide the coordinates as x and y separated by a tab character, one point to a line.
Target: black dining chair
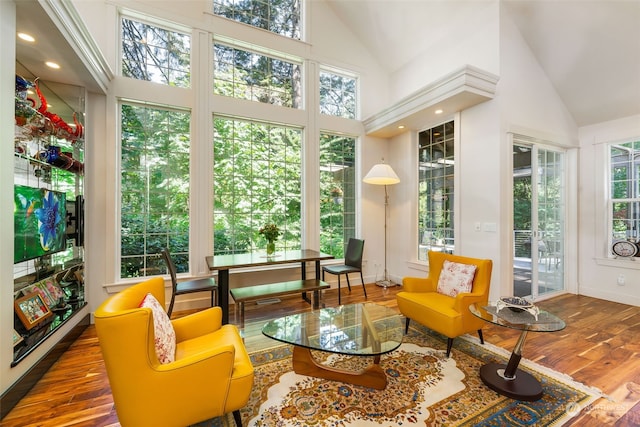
352	264
205	284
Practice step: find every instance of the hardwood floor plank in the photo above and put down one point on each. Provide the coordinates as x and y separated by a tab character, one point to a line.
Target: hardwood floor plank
599	347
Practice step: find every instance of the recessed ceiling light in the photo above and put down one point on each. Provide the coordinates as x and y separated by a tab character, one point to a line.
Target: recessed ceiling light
26	37
438	111
52	64
401	127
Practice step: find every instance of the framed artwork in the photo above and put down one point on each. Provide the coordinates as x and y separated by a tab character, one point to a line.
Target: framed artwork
17	338
31	310
44	294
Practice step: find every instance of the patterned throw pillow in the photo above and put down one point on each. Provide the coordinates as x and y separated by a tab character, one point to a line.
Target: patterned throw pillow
165	336
455	278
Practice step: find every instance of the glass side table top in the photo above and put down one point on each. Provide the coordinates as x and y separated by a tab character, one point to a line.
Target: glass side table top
355	329
520	320
507	379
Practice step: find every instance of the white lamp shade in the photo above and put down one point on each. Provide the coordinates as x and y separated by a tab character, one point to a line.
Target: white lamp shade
381	174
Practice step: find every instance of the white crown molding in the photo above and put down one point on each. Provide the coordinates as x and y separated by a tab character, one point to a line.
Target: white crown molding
65	17
454	92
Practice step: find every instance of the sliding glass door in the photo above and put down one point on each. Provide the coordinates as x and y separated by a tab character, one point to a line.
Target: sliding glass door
538	220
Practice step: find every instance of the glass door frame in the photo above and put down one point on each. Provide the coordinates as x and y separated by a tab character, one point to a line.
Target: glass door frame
547	253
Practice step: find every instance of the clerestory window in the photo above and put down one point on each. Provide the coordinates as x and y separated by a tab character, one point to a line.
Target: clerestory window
278	16
338	95
256	77
155	54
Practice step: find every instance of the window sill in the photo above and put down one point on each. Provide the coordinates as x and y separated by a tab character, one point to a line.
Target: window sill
630	263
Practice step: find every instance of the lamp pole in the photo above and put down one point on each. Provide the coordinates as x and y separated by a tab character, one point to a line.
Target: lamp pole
383	174
385	282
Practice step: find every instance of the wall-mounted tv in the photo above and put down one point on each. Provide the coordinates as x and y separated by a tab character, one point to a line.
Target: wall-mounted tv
39	219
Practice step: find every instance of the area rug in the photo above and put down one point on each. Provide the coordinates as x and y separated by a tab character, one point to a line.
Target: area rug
424	388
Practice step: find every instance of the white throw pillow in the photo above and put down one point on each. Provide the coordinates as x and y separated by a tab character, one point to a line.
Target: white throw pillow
455	278
165	336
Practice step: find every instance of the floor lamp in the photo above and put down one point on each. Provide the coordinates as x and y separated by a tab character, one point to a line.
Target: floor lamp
383	174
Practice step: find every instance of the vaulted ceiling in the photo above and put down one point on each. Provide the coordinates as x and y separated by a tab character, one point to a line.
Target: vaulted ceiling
589	49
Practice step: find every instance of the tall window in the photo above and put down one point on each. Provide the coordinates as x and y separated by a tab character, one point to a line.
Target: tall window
257	171
337	193
338	95
252	76
154	178
436	166
625	191
278	16
155	54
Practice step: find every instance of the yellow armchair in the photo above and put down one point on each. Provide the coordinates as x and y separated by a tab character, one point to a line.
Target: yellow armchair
211	375
450	316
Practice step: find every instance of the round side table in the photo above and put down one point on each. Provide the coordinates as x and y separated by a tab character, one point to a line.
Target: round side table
507	379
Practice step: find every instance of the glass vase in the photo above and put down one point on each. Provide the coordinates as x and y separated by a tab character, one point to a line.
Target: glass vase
271	248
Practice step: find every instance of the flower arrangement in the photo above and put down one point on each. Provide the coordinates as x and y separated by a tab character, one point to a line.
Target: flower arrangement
270	232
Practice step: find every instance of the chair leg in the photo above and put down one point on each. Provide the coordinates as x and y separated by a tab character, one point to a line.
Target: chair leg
406	325
449	345
237	418
348	284
339	302
170	309
480	336
363	287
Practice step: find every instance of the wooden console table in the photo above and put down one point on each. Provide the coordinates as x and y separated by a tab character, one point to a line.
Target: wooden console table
224	263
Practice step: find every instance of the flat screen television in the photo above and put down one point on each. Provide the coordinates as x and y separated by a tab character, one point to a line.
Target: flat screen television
39	220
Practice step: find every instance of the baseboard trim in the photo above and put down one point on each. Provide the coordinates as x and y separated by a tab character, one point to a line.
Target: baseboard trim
21	387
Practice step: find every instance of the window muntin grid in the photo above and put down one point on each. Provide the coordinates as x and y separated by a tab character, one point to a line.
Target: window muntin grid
338	95
155	54
256	77
436	168
282	17
154	188
257	169
337	193
625	191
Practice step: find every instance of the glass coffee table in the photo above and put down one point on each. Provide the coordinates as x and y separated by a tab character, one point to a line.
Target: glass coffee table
507	379
355	329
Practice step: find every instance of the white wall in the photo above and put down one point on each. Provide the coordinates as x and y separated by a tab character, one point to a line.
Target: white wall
468	35
598	274
525	101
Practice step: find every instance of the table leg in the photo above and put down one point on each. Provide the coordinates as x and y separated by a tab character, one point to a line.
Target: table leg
223	294
510	381
303	276
372	376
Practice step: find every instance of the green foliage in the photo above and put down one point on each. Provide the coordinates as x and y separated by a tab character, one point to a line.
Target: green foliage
154	188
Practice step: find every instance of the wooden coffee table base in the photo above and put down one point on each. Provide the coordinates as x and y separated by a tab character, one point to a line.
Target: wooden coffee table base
372	376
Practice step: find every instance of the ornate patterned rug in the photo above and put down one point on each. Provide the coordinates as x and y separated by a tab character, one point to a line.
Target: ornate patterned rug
424	388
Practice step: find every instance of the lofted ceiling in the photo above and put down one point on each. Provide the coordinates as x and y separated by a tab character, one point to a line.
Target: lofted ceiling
589	49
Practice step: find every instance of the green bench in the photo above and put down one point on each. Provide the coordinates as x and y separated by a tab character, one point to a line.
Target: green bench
273	290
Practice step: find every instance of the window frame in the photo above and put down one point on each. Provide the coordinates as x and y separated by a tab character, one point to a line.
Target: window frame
345	75
633	178
452	196
165	25
347	193
181	258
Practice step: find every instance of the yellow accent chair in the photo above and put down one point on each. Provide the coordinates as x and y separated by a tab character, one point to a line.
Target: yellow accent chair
449	316
211	375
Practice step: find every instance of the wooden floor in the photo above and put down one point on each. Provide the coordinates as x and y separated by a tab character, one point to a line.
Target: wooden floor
599	347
